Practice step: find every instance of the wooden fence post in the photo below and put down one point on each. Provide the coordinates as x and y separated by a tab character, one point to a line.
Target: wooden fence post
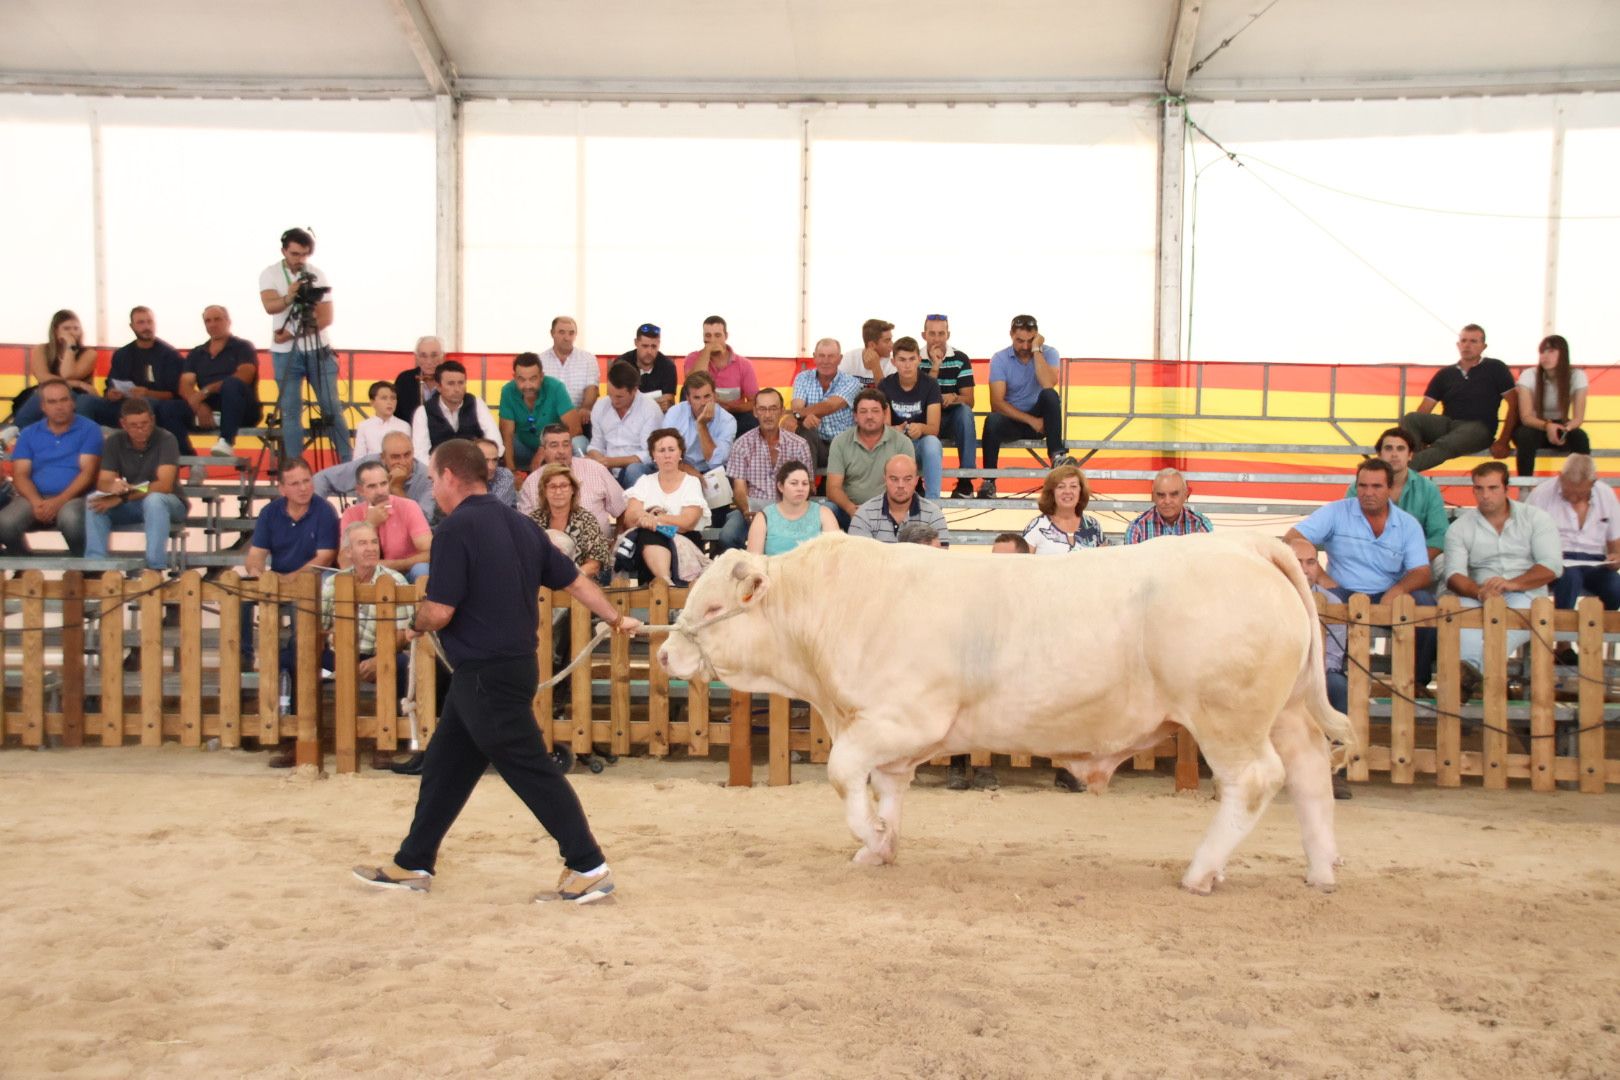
1589	613
579	683
820	740
1543	746
1402	722
73	658
781	764
345	665
110	615
151	627
544	640
1186	760
33	656
306	624
268	651
619	682
386	593
657	677
1358	663
426	702
227	591
740	750
191	658
697	715
1494	740
1448	725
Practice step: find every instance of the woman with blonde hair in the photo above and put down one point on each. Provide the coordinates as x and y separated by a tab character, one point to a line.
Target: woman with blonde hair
1552	406
559	511
1063	524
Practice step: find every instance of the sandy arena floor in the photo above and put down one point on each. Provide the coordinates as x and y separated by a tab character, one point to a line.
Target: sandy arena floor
172	913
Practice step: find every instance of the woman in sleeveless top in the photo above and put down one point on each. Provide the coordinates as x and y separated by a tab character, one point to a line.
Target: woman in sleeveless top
1552	406
63	355
792	518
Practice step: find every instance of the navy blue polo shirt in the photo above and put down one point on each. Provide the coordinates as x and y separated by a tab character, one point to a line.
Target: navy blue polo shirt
211	369
489	562
157	368
293	543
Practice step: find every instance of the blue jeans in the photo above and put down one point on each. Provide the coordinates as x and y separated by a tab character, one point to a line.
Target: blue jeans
320	368
156	513
956	428
1587	578
1000	428
930	460
734	527
1425	641
635	471
236	406
33	410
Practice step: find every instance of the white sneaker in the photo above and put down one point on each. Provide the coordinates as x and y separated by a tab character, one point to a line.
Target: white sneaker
222	448
577	888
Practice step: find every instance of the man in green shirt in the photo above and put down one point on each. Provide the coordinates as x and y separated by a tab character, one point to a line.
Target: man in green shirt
856	458
528	403
1412	492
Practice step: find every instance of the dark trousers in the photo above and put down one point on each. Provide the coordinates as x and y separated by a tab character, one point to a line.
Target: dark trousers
1425	642
999	428
1531	441
1579	578
236	406
488	718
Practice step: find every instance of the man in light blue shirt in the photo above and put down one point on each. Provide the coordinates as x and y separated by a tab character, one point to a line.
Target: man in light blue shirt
823	398
1500	548
1376	548
1024	401
708	429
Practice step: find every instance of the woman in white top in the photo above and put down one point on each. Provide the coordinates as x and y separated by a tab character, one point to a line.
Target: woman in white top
1063	525
659	506
1552	406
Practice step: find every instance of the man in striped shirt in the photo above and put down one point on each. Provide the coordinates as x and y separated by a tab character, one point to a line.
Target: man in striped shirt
1170	516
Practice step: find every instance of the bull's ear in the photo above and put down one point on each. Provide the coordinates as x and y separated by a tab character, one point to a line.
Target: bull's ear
751	587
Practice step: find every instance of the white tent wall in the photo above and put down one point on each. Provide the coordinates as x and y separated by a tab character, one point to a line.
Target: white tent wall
1440	218
196	195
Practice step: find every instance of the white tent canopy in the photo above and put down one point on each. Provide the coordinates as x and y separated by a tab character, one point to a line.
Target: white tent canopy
477	167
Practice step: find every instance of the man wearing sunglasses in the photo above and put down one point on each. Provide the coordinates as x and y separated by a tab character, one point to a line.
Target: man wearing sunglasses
1024	402
657	370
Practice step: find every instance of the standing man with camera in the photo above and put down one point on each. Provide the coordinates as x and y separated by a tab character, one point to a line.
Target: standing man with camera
297	296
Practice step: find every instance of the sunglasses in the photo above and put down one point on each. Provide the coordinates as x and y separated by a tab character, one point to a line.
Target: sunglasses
1024	322
935	318
647	329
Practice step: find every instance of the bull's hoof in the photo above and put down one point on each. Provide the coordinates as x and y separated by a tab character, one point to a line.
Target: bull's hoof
865	856
1322	883
1201	885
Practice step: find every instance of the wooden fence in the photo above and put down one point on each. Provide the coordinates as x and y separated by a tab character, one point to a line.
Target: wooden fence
65	677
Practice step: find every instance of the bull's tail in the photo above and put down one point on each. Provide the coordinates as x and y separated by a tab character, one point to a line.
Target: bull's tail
1310	688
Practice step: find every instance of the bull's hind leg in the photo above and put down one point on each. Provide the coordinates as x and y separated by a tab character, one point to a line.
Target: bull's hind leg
856	758
1307	760
1248	784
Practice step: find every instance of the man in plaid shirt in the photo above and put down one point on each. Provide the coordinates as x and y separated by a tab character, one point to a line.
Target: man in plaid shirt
755	457
822	400
1170	516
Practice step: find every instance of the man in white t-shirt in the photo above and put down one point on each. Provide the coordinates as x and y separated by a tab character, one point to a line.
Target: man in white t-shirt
298	298
871	364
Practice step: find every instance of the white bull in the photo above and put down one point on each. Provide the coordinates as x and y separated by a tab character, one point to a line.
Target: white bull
911	652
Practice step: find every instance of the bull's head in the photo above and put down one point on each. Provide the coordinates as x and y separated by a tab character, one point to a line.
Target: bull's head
718	628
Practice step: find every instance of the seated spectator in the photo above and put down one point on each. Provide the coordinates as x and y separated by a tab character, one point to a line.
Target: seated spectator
881	516
1333	647
147	368
951	368
1010	543
657	371
621	424
65	356
1552	406
368	436
598	491
53	466
1170	516
1498	548
1587	515
140	468
530	403
793	518
360	549
292	534
1024	401
755	461
1412	491
406	475
707	429
1063	526
452	413
914	408
401	527
856	461
919	532
420	381
579	372
822	402
1376	548
874	360
663	507
219	384
735	383
560	512
502	485
1469	393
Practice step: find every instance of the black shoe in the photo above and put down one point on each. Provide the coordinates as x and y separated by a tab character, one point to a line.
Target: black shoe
1341	786
957	778
1566	656
411	766
963	488
1066	781
1471	678
987	489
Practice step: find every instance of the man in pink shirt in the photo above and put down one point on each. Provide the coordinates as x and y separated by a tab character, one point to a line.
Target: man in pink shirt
598	491
735	383
401	526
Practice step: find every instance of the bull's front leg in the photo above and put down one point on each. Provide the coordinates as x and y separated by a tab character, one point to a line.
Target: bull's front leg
890	782
849	767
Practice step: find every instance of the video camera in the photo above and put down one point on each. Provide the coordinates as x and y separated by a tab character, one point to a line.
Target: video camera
309	293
